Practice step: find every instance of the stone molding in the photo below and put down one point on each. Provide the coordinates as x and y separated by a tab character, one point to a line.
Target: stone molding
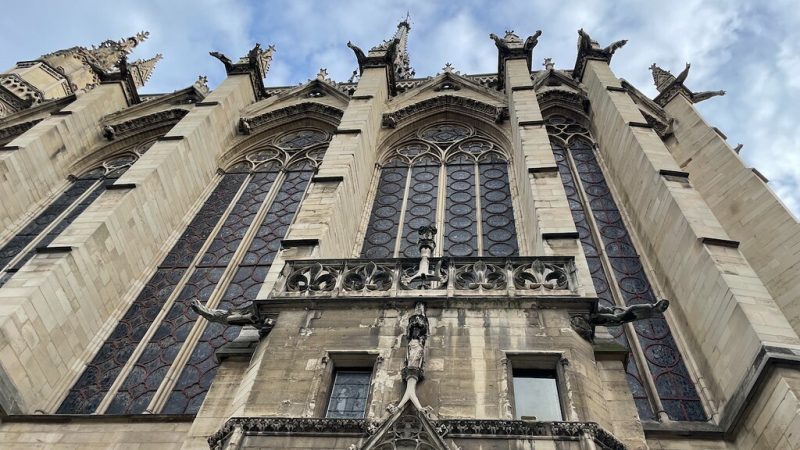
156	120
453	428
495	113
249	124
521	276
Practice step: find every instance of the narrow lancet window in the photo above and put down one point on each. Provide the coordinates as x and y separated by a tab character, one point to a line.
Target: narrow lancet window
160	358
619	277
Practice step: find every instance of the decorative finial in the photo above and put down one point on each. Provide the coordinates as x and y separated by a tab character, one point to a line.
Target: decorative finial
548	64
322	75
448	68
142	69
669	86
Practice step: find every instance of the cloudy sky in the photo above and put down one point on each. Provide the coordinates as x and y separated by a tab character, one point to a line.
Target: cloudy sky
750	49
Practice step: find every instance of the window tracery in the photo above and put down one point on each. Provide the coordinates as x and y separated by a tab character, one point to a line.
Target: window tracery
160	358
619	278
448	175
59	214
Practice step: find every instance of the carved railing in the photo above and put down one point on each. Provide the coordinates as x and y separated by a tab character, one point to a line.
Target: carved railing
453	428
438	277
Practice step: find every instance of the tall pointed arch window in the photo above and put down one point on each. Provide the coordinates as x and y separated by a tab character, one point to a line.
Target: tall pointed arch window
656	372
450	176
160	358
57	216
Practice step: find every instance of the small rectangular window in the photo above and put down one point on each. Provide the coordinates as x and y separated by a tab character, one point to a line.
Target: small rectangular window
349	394
536	395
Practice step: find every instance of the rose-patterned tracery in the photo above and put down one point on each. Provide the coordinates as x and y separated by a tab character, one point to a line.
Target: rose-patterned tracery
160	358
449	175
55	218
600	223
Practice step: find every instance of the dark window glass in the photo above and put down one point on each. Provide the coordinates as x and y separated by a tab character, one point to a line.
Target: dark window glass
381	236
536	395
497	214
460	220
349	394
423	193
673	383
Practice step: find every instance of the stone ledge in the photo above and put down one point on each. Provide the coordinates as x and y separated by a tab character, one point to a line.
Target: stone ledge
673	173
287	243
544	169
53	249
347	131
719	242
561	235
120	186
328	179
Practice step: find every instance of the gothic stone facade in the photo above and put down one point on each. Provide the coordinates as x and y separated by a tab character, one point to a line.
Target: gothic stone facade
457	261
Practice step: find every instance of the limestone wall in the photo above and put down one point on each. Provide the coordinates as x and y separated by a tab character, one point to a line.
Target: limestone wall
93	434
56	310
332	210
743	203
721	305
39	168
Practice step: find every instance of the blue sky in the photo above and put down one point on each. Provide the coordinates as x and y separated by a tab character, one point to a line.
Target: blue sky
747	48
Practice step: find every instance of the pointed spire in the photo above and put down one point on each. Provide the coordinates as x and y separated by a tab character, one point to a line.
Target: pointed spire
662	78
402	63
108	54
141	69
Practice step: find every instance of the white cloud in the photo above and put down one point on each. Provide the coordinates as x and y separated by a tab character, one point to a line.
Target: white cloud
747	49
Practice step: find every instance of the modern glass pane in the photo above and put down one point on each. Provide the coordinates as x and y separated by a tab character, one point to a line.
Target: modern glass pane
349	394
536	395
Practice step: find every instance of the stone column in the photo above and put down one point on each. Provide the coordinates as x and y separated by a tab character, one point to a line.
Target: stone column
36	164
331	213
58	307
548	224
726	314
743	203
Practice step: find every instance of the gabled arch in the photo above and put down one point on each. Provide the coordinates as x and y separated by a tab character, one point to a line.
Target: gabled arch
445	114
300	111
463	105
269	143
565	103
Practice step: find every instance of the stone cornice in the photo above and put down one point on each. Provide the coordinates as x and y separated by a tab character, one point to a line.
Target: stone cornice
10	132
562	98
495	113
249	124
459	428
154	120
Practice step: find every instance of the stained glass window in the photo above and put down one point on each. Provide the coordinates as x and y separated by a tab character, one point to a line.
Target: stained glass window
601	226
448	176
57	216
160	358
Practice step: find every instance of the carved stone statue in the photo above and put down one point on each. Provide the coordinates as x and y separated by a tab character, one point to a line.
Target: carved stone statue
417	334
616	315
424	274
233	317
613	316
225	60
